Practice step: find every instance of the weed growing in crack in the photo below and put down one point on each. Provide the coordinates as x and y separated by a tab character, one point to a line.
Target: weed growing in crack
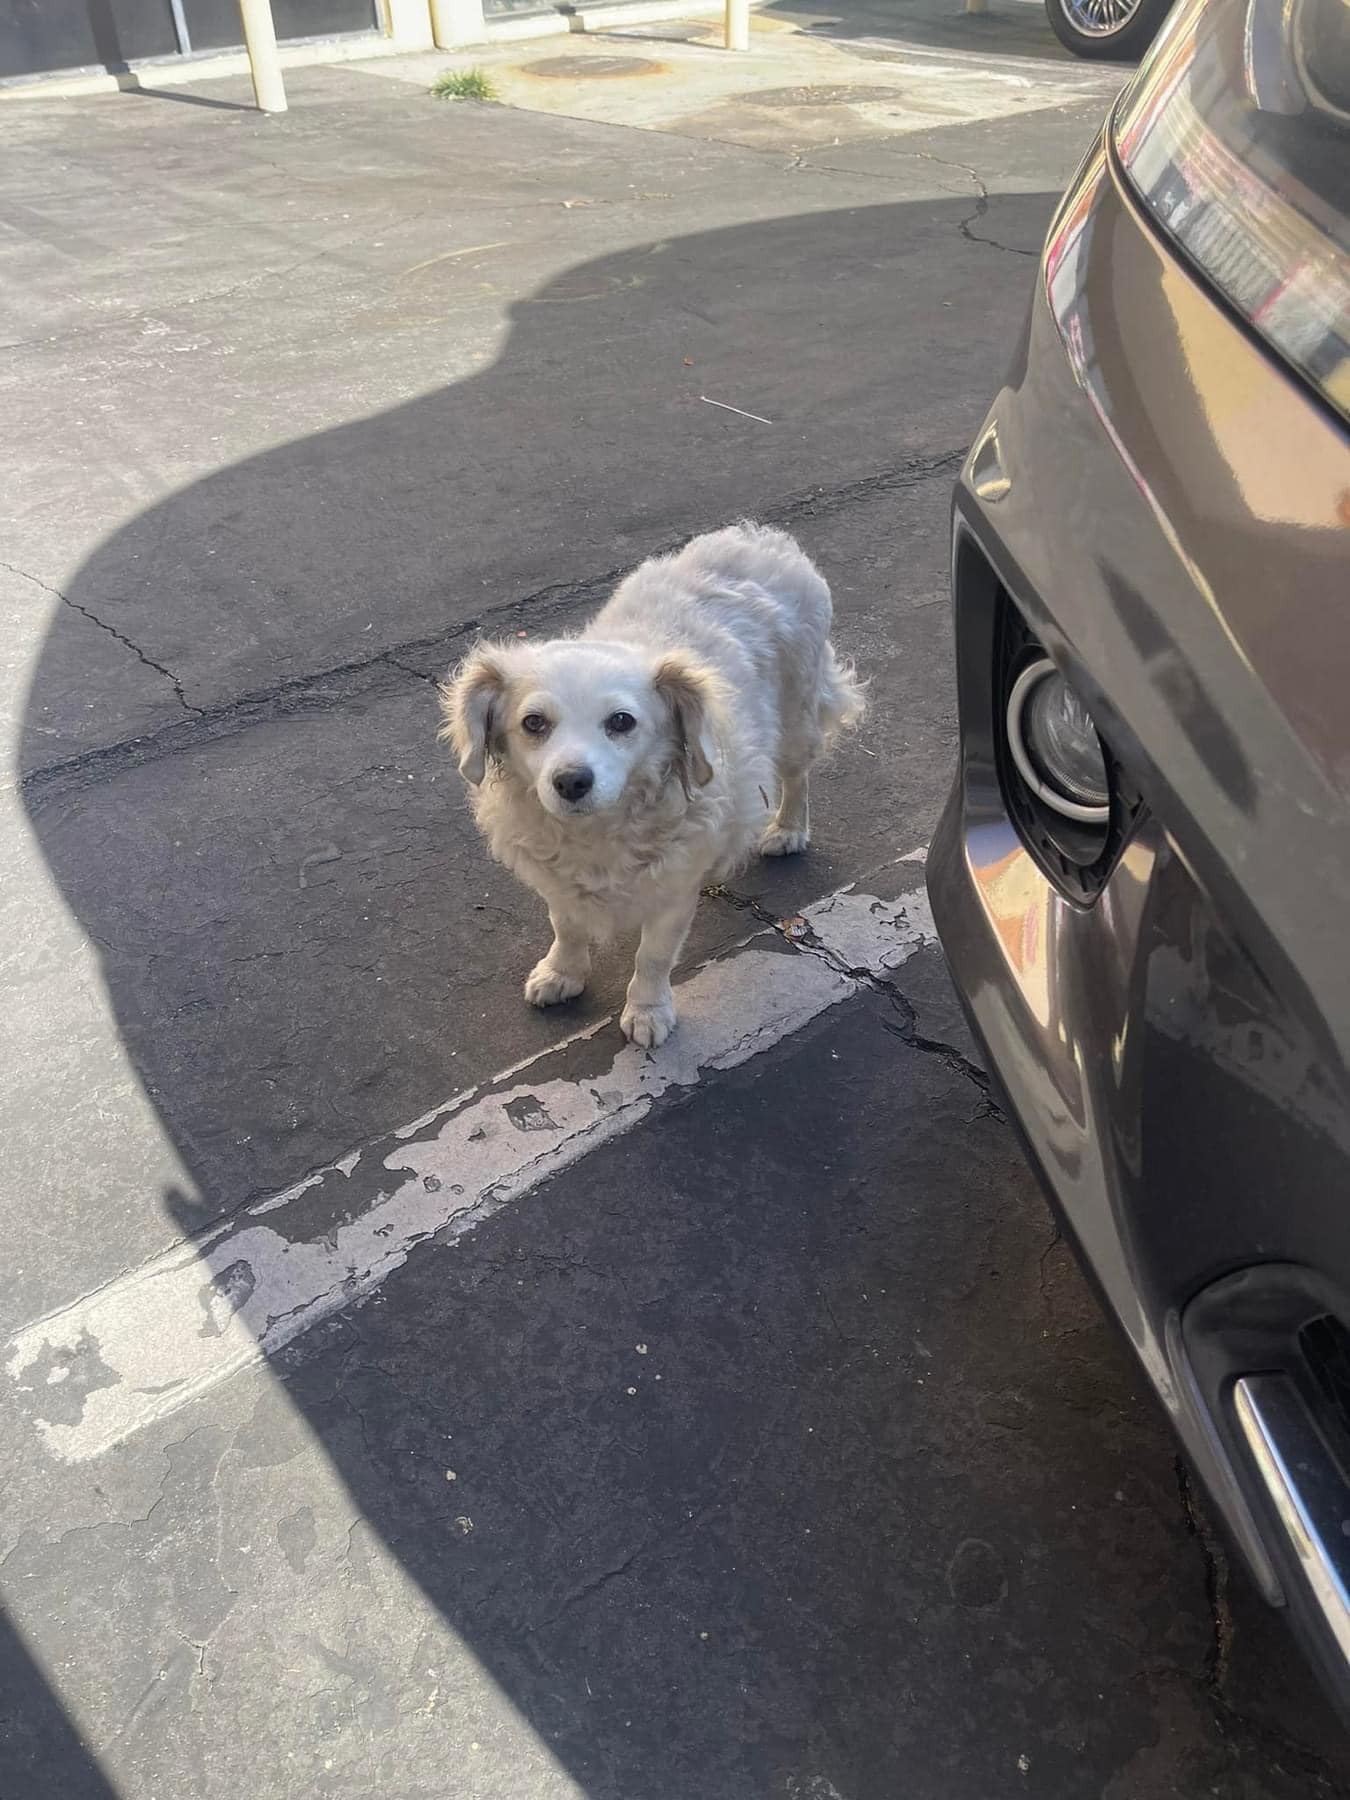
462	84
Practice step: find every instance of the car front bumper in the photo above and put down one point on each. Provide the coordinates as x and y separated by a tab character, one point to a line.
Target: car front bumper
1175	1051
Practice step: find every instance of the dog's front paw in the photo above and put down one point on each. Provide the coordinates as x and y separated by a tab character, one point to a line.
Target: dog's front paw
547	986
648	1026
781	842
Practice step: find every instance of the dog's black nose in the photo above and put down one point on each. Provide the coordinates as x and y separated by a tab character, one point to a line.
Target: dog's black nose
574	784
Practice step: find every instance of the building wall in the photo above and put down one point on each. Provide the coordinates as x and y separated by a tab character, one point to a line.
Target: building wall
41	35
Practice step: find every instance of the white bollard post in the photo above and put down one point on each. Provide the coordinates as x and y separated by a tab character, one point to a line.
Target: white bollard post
457	22
738	25
260	39
408	23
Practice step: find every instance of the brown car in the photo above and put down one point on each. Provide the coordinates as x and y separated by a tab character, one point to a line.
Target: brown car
1142	879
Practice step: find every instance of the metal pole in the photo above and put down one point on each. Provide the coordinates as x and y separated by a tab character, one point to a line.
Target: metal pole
180	27
738	25
260	37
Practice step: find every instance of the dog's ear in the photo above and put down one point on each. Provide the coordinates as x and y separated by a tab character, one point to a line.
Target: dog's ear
467	703
692	693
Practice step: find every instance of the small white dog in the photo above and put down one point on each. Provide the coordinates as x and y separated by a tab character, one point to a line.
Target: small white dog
617	771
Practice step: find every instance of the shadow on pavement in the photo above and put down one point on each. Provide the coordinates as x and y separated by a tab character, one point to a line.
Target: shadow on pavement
249	866
40	1749
768	1575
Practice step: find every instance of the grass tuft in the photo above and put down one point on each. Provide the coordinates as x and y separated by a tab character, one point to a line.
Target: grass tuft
463	84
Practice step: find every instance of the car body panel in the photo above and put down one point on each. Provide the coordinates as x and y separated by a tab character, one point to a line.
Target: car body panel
1168	507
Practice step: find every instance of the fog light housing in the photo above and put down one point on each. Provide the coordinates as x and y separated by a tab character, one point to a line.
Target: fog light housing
1055	745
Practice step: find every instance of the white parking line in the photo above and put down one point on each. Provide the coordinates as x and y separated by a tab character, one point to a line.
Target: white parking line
163	1334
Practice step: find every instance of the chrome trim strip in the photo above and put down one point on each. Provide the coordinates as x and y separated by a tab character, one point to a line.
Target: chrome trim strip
1063	804
1307	1489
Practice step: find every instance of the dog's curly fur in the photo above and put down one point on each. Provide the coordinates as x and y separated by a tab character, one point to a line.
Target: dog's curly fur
691	708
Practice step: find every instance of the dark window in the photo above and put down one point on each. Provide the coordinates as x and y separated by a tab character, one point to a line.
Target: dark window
38	35
214	24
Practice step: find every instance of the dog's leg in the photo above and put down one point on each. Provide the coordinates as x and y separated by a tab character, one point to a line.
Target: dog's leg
561	974
649	1016
790	828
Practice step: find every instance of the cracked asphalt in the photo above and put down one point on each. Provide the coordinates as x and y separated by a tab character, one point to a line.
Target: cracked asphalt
407	1393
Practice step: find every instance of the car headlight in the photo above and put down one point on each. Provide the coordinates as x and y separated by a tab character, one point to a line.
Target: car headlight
1055	745
1235	135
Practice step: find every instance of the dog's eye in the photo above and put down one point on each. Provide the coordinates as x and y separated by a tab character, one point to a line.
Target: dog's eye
619	723
534	724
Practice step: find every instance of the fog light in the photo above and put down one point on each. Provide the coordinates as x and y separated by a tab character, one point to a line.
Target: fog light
1055	745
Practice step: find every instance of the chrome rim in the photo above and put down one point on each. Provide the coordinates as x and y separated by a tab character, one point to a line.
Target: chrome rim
1100	18
1066	807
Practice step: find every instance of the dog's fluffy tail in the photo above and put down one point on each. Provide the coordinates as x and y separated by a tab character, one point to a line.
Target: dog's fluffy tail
843	697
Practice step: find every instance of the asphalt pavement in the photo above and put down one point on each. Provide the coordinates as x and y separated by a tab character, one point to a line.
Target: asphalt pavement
406	1393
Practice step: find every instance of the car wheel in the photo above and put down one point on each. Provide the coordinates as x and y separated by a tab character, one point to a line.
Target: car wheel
1107	30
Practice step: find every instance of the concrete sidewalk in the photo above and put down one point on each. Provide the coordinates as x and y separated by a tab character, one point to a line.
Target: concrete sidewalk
812	82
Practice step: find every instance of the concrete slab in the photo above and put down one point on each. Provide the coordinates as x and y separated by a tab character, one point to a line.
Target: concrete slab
806	81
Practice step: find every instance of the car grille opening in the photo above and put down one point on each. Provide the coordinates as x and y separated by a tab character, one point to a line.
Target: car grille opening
1325	1346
